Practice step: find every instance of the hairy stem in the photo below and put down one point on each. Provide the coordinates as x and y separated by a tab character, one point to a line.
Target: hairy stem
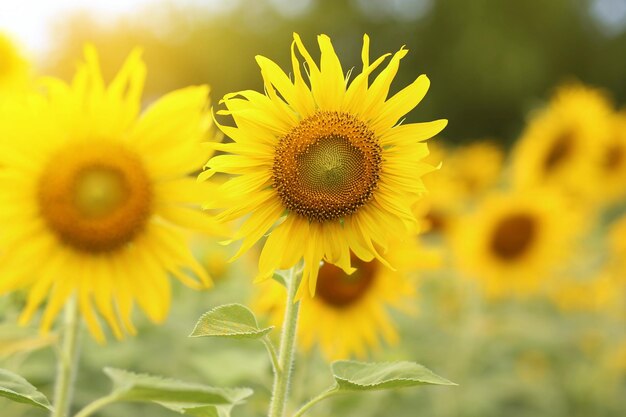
282	376
67	361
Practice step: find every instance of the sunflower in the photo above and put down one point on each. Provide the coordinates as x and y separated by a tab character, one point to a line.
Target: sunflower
476	166
439	206
562	143
326	164
512	242
94	196
353	308
466	173
13	67
610	171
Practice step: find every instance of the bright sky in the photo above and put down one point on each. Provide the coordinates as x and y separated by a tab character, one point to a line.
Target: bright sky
28	21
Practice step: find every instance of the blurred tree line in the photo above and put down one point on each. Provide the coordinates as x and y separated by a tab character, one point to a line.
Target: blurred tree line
490	61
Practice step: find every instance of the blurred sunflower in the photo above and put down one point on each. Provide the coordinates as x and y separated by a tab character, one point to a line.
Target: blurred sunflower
440	204
468	172
353	308
512	242
562	143
93	196
13	67
327	166
610	171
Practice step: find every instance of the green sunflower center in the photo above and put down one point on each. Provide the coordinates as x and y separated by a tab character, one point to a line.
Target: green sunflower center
513	236
100	191
327	166
95	197
331	164
340	290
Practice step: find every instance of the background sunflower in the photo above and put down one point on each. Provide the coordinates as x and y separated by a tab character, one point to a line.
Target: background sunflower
355	309
97	193
512	243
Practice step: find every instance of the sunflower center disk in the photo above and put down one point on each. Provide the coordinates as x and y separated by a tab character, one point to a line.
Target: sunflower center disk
97	198
614	158
340	290
559	152
513	237
327	166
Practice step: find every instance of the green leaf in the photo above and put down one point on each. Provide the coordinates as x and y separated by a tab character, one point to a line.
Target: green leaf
230	320
142	387
185	398
16	388
362	376
198	410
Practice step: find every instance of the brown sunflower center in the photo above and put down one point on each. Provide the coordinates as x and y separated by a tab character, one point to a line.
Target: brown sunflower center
338	289
437	221
513	236
327	166
95	197
560	150
614	158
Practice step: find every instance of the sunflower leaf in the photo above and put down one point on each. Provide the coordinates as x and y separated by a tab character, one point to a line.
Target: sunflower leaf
363	376
185	398
16	388
231	321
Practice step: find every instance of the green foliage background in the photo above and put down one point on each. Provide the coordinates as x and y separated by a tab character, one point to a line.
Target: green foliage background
490	61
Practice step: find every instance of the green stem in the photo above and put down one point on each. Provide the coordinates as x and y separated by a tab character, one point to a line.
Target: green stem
96	405
271	350
67	361
328	393
282	378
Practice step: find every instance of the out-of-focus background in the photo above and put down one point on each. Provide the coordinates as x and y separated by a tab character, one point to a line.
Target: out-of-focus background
490	61
492	65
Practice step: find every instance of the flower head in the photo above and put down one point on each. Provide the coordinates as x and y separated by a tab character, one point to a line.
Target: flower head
512	243
325	167
94	195
564	142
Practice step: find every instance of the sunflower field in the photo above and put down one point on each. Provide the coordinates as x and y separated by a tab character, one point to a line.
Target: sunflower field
240	208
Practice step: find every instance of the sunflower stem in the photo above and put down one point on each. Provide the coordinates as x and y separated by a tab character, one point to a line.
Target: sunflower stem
67	361
271	351
96	405
282	376
328	393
